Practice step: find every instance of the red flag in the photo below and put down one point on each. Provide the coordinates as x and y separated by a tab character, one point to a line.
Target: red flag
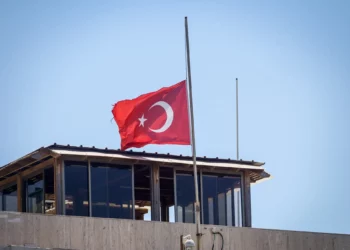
159	117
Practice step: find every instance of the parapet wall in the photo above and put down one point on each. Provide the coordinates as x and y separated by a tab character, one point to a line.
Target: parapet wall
71	232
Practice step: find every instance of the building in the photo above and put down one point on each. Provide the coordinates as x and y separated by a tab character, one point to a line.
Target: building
84	181
125	188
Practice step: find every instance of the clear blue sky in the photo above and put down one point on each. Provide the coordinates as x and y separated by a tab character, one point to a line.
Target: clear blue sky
64	63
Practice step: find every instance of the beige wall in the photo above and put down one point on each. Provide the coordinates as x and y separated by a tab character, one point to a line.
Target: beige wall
96	233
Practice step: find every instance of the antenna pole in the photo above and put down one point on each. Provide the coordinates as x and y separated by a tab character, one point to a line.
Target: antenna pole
237	118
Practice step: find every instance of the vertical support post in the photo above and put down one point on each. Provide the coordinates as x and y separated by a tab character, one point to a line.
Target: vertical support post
233	221
44	192
201	192
247	201
133	190
155	214
55	183
193	141
89	187
63	189
58	185
19	192
237	146
175	198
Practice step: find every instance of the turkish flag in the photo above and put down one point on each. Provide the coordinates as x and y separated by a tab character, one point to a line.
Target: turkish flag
159	117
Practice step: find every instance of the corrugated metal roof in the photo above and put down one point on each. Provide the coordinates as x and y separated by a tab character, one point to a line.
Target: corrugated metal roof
147	154
156	159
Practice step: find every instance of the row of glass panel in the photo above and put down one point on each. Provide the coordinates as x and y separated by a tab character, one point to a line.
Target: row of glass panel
116	188
113	195
38	191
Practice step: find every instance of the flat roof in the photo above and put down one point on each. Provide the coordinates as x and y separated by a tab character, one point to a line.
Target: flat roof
256	170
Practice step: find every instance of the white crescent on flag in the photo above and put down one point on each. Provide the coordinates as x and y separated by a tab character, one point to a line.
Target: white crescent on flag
169	114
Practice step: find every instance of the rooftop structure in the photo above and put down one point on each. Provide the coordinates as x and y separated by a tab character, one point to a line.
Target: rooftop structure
87	181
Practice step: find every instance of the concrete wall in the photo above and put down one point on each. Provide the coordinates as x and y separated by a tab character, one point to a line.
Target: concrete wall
95	233
28	248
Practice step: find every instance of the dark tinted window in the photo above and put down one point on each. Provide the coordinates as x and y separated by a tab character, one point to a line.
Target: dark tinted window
222	200
143	201
35	194
10	198
209	194
167	201
185	193
111	191
49	191
76	188
99	191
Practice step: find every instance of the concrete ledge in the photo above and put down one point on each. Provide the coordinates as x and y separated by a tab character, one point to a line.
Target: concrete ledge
13	247
24	230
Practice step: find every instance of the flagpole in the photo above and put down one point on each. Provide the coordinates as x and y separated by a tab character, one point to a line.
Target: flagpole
193	141
237	118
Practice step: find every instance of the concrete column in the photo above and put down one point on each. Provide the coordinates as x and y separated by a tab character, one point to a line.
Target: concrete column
155	193
19	193
247	201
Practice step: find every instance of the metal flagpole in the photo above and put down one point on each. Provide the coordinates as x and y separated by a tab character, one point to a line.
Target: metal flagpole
193	141
237	118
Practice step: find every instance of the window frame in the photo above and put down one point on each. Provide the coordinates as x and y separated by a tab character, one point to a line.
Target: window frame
3	196
201	170
111	165
241	176
64	165
217	171
25	190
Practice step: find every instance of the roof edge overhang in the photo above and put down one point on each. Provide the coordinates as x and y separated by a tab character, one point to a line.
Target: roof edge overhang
27	161
255	169
256	172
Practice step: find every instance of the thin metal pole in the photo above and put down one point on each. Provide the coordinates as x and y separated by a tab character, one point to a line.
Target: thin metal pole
197	206
237	118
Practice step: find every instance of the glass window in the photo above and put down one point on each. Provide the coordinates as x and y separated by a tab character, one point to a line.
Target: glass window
185	193
167	201
237	201
99	190
111	191
35	194
49	191
76	188
10	199
209	199
222	200
143	201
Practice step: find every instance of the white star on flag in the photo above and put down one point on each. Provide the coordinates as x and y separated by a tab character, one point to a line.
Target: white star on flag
142	120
